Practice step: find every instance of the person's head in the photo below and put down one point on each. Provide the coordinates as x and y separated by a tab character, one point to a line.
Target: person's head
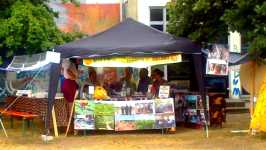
157	74
128	73
143	73
110	75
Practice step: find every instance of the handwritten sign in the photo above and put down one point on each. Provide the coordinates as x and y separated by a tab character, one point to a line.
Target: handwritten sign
164	91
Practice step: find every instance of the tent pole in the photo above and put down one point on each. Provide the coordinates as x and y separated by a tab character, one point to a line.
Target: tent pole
252	97
3	127
52	89
253	90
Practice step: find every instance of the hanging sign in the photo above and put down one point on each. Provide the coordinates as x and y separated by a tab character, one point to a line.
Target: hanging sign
234	75
217	62
164	91
129	61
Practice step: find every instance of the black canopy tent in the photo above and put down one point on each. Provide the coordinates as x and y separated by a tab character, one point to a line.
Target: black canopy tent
129	38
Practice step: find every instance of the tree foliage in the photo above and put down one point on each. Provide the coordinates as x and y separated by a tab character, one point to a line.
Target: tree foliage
198	20
27	27
248	18
207	21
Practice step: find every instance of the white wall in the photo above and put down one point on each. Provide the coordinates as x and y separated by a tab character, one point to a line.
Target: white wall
144	9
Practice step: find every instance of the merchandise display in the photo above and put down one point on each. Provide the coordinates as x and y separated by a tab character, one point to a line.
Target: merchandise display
189	109
124	115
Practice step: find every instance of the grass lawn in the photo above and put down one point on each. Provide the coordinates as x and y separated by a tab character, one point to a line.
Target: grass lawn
183	139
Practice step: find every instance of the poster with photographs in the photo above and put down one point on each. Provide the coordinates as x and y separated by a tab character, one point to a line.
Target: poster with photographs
144	107
180	106
217	62
145	121
191	116
134	115
191	101
124	107
104	115
203	118
84	115
164	113
194	112
104	122
125	122
165	121
194	102
164	105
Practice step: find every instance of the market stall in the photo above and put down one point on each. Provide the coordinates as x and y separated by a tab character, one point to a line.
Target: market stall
128	44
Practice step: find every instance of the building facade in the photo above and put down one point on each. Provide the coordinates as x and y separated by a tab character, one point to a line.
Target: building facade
149	12
89	17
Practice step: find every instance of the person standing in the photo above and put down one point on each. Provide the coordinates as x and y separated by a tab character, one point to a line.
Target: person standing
158	80
144	81
90	81
69	85
127	82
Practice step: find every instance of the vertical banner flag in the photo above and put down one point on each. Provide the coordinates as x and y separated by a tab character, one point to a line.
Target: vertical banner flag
234	76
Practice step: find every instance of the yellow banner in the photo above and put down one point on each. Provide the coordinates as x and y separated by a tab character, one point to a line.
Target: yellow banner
129	61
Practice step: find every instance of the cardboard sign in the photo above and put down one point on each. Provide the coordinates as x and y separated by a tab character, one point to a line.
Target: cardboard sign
91	90
164	91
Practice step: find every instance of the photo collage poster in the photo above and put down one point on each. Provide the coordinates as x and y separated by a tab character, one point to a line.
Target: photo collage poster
164	113
84	115
189	109
124	115
146	114
91	115
104	115
217	61
194	112
134	115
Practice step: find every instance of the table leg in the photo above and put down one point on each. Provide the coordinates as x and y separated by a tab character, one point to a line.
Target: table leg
11	122
23	126
32	127
3	127
28	123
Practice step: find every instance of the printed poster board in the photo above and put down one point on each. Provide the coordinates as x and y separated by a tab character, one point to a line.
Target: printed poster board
84	115
217	62
194	112
124	115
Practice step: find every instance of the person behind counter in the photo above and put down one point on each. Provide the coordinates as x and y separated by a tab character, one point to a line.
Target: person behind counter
110	81
127	82
144	81
157	77
90	81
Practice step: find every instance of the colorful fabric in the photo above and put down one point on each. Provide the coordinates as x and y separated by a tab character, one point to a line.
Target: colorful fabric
258	120
69	90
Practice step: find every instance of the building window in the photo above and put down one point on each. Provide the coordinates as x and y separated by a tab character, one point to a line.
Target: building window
158	18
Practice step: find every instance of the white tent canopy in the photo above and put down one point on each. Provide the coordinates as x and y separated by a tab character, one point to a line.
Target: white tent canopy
32	62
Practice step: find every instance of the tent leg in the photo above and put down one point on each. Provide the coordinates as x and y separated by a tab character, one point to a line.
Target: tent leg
70	118
54	122
3	127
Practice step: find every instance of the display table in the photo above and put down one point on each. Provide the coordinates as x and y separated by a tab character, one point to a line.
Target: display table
124	115
38	106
